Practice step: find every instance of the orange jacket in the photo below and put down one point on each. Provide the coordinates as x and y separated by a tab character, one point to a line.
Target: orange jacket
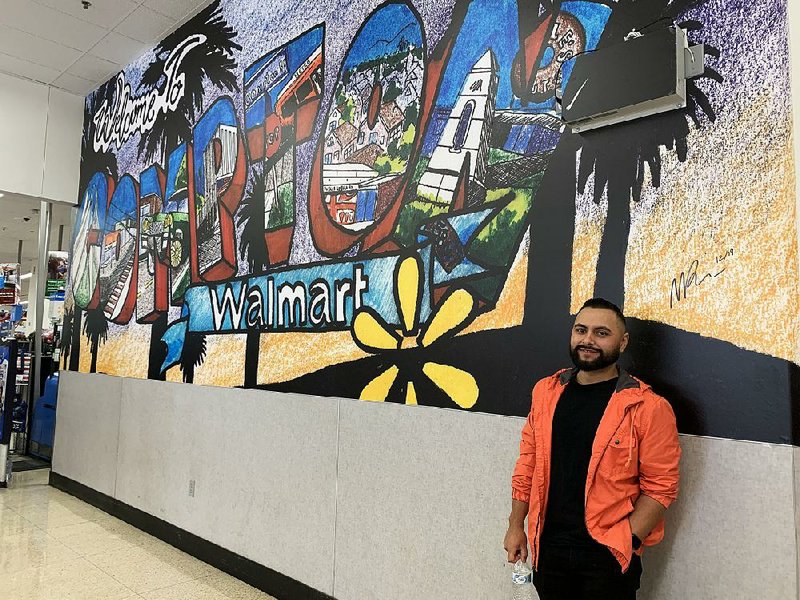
635	451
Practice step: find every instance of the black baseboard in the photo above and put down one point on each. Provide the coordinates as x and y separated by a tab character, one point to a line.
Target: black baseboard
263	578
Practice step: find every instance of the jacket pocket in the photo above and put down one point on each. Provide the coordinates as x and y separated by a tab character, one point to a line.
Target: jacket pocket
621	456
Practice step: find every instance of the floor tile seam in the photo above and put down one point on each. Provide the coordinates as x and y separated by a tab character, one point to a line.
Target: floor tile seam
171	585
106	551
49	522
109	575
98	553
66	504
137	561
47	503
15	504
36	526
47	545
108	554
28	528
76	524
43	566
26	505
33	528
48	563
15	518
50	527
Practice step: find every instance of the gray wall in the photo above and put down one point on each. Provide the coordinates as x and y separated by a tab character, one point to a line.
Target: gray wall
364	500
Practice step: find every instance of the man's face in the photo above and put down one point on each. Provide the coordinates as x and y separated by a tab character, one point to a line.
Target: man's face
598	338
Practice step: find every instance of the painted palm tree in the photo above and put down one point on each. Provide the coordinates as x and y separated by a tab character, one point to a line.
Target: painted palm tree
95	327
92	161
193	354
211	64
617	156
66	336
253	245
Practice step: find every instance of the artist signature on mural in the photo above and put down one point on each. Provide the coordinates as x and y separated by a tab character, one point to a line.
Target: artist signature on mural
680	286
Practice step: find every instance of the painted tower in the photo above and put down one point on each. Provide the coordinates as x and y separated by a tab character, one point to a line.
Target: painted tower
458	164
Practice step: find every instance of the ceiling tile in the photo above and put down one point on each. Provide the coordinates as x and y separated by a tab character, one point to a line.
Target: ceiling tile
105	13
24	68
94	69
145	25
45	22
76	85
119	49
33	49
177	9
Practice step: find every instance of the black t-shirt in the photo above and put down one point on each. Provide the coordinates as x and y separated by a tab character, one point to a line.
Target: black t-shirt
577	416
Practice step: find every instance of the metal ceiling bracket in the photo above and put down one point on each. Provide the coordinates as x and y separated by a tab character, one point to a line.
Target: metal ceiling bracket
694	61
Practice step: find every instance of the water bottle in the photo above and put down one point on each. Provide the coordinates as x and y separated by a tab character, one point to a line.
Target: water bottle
522	583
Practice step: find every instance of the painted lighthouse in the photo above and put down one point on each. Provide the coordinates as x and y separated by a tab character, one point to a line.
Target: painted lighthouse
457	167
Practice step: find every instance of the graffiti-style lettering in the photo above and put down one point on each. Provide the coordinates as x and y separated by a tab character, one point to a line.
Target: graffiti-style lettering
152	290
282	94
116	123
177	242
229	306
219	178
87	241
291	304
118	262
364	159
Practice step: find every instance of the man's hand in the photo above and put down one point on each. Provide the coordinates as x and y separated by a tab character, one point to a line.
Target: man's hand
516	543
645	516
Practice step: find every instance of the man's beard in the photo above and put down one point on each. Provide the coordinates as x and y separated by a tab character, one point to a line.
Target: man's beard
601	361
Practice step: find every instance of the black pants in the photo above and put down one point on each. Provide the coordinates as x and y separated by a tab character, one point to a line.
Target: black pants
584	573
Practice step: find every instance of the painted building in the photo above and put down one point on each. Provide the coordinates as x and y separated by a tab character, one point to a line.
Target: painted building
340	143
465	140
353	194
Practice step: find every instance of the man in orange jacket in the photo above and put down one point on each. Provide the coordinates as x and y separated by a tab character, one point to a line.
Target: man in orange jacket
598	467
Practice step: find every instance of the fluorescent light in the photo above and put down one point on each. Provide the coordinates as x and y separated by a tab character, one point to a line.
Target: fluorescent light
25	276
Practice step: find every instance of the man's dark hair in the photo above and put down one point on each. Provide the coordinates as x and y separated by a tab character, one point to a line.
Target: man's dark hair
603	303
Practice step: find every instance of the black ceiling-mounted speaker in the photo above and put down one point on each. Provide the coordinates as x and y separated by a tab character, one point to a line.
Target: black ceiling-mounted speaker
642	76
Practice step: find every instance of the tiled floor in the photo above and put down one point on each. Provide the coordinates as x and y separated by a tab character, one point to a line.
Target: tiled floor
55	547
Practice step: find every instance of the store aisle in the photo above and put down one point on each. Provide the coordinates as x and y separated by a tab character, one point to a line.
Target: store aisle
56	547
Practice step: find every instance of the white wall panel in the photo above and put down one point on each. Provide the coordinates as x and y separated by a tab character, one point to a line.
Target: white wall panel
264	466
23	122
87	429
731	535
417	497
423	501
63	143
40	142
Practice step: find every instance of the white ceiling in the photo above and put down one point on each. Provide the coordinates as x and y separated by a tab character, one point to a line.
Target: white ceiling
60	43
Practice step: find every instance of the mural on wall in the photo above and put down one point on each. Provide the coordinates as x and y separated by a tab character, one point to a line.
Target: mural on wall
382	203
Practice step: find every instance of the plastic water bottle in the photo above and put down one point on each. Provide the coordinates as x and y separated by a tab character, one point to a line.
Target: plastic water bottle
522	582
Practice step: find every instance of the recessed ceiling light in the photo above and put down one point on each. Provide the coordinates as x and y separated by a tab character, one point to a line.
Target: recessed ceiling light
1	194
